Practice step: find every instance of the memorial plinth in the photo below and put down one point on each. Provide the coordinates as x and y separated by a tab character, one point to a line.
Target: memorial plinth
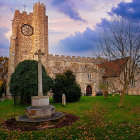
40	108
40	101
40	112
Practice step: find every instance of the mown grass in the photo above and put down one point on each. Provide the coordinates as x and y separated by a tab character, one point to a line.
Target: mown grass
100	119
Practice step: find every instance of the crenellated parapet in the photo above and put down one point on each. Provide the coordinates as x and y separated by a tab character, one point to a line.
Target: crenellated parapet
71	58
22	17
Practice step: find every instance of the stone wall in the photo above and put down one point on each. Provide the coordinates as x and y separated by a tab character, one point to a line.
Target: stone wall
134	89
85	69
117	85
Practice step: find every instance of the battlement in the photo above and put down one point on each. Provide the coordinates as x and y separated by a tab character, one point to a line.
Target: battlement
36	8
20	15
39	6
17	13
71	58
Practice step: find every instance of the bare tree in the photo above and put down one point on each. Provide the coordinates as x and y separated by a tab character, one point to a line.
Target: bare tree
120	44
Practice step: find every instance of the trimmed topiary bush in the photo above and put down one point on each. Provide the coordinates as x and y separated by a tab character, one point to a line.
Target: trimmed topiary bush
66	83
24	81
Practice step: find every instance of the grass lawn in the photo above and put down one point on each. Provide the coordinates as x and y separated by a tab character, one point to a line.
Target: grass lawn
100	119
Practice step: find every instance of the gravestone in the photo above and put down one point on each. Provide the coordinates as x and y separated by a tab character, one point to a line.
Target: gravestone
2	98
63	99
113	94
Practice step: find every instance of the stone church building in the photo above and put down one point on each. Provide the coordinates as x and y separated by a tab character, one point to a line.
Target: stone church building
30	33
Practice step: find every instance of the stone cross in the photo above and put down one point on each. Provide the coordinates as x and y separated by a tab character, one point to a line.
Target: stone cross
63	99
40	91
24	6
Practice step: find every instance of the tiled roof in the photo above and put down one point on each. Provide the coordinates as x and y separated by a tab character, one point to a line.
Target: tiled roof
113	68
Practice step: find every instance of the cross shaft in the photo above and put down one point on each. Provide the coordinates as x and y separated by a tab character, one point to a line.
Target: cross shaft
40	90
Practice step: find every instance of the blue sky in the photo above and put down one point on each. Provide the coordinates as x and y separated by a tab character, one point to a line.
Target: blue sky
73	24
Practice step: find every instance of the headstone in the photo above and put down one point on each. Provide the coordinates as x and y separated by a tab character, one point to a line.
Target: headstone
2	98
113	94
63	99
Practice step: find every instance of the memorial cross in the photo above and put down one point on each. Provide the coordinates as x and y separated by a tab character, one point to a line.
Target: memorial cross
40	91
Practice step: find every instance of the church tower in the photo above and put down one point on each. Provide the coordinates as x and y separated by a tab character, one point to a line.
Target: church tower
29	34
40	25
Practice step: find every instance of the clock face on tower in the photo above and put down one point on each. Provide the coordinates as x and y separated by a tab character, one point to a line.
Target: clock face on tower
27	30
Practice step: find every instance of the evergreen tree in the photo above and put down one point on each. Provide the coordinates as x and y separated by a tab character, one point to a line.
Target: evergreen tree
66	83
24	81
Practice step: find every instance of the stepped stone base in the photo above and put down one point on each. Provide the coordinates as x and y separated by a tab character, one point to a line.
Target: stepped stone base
55	118
40	108
40	101
40	112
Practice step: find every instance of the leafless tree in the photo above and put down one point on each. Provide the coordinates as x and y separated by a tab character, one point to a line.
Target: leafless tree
120	44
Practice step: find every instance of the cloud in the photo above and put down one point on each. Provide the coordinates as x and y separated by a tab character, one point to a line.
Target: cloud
68	8
129	10
7	11
88	40
79	42
85	41
82	42
6	4
2	3
103	24
4	42
78	10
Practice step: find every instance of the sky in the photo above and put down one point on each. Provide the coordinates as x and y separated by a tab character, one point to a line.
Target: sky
73	24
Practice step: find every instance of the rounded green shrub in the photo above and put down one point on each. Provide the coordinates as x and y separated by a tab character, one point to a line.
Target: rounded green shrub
66	83
24	81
